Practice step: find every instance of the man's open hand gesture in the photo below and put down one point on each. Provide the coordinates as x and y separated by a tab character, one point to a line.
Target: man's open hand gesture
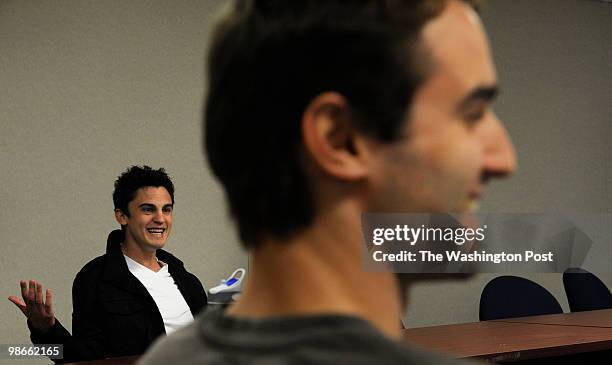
38	309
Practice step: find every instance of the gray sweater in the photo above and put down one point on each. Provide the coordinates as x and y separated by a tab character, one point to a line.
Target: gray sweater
214	338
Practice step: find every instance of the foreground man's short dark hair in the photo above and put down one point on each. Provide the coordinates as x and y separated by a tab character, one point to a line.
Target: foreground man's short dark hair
269	59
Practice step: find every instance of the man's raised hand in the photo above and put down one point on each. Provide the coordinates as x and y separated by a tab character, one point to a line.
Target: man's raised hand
38	309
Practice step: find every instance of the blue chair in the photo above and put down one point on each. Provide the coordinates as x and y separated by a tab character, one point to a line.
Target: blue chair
513	296
585	291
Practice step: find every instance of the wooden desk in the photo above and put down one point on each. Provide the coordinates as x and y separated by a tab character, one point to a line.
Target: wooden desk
510	341
501	340
598	318
127	360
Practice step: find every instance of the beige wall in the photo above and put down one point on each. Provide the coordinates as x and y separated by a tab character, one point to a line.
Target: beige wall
90	87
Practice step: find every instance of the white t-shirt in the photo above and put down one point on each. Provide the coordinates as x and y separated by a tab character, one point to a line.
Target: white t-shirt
161	286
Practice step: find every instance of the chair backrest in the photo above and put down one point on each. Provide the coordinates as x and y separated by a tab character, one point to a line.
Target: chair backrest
585	291
513	296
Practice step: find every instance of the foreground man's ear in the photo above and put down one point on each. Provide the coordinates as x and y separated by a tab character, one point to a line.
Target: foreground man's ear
330	139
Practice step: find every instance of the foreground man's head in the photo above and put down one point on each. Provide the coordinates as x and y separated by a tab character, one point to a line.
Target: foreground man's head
386	104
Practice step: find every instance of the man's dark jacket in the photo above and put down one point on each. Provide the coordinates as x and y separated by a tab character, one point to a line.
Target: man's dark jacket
113	314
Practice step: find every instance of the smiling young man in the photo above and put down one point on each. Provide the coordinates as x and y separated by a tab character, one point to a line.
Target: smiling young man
146	222
129	296
317	112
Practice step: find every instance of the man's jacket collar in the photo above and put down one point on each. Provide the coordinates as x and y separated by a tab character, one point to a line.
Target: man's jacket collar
117	272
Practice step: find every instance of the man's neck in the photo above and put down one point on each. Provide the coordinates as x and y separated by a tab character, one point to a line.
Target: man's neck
319	271
147	259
